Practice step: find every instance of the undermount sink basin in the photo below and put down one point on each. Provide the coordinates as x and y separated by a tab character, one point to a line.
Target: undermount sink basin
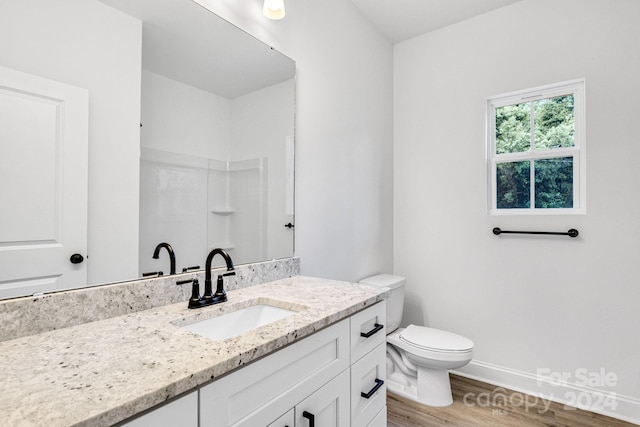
238	322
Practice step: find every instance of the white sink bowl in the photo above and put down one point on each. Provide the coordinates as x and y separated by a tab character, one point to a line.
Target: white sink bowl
238	322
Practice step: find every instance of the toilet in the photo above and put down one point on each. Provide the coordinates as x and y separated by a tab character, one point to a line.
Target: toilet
419	358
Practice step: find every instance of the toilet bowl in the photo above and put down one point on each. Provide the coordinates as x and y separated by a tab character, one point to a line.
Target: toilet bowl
427	354
419	358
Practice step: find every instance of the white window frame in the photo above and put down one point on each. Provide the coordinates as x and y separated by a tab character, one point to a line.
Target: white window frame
578	151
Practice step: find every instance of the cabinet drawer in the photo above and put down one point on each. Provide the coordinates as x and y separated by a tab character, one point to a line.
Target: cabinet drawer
287	420
182	411
368	330
367	377
269	387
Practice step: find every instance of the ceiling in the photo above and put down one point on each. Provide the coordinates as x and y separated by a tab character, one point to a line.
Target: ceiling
184	43
400	20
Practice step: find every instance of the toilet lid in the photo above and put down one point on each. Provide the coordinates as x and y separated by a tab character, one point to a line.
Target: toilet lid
435	339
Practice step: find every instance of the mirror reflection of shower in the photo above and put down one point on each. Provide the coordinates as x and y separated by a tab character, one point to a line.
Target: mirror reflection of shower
199	204
215	172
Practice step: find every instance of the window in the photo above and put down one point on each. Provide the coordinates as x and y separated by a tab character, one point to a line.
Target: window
536	150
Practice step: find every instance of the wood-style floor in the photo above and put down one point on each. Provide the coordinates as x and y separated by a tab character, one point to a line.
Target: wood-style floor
494	407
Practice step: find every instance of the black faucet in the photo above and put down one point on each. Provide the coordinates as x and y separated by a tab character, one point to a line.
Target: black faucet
220	295
172	256
209	298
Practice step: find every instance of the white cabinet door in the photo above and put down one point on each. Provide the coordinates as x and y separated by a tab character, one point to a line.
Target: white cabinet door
327	407
182	412
380	420
368	390
43	171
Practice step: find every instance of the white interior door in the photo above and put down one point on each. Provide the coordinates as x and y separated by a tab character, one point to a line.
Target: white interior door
43	190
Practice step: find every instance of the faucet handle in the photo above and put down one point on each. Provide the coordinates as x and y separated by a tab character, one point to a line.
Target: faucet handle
228	273
152	273
221	295
195	289
196	301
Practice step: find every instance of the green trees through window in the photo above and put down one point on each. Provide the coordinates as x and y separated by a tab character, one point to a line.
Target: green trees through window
535	129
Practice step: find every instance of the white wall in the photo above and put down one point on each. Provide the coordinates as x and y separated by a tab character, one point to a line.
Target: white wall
344	153
528	303
183	119
87	44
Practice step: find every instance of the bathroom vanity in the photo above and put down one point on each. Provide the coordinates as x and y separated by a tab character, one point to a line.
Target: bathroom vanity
318	379
310	367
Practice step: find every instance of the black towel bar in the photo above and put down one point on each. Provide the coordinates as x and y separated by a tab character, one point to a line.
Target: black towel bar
571	233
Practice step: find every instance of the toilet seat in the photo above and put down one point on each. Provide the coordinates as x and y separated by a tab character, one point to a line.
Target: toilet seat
423	351
435	340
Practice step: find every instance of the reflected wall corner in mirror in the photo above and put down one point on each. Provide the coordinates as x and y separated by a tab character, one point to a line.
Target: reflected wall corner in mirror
210	164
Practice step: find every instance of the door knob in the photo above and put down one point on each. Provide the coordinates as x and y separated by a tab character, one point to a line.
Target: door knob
76	259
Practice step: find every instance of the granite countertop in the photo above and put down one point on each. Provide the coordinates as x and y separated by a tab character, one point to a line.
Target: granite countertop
103	372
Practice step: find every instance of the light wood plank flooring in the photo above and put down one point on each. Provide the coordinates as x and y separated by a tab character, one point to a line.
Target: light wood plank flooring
406	413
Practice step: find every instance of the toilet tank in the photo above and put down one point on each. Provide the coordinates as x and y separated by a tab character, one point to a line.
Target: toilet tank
395	301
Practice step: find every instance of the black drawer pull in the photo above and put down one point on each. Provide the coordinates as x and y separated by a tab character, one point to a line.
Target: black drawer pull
373	390
373	331
310	417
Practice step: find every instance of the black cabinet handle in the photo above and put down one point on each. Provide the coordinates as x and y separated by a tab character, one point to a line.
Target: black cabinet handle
375	388
310	417
289	225
373	331
76	259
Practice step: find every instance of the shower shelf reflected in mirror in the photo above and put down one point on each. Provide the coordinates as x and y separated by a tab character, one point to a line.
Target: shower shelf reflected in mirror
223	211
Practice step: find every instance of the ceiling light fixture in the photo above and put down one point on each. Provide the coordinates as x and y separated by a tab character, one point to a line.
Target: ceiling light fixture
273	9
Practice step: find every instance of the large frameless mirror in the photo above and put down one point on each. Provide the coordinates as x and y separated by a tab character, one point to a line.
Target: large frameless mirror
214	165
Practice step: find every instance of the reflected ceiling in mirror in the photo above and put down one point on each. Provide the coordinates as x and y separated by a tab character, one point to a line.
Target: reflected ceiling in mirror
185	42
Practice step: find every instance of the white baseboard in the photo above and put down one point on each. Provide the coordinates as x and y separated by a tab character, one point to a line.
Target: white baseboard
568	393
